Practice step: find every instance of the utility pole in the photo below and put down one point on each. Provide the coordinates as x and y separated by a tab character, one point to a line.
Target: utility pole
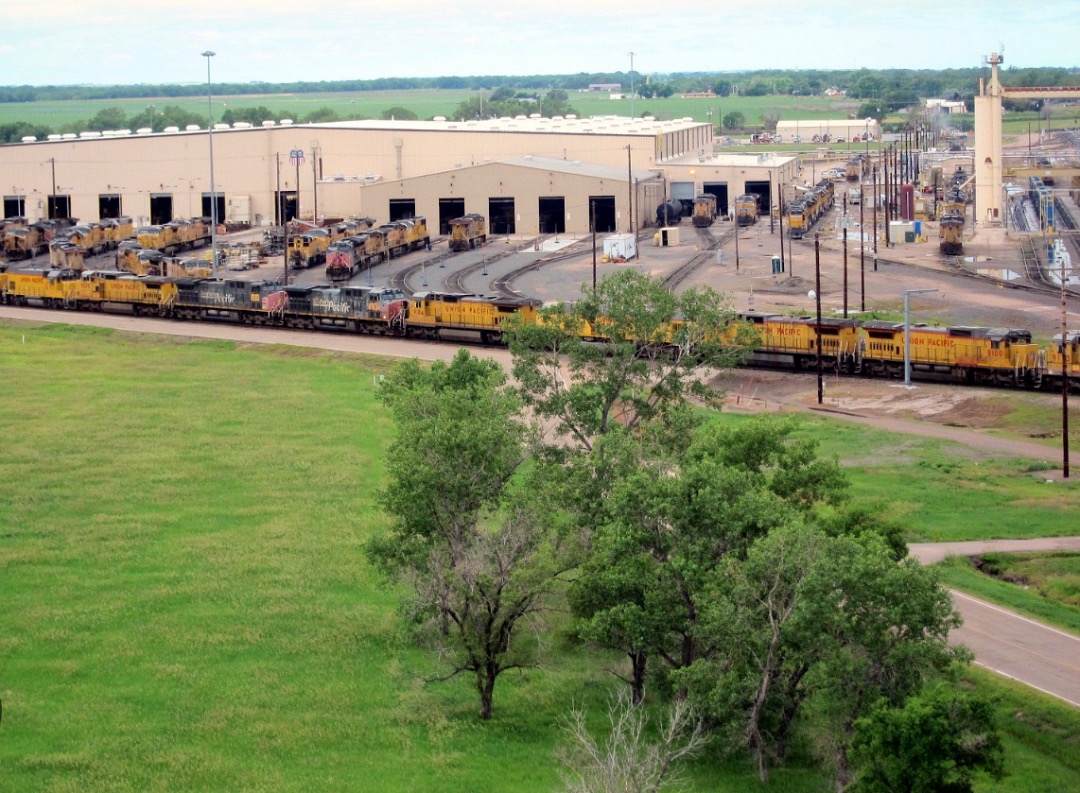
1064	376
315	152
630	187
817	328
781	201
875	218
632	54
845	273
862	248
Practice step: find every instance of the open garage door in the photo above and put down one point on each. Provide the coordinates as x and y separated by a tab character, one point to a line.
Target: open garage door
108	206
286	207
402	209
602	213
449	208
160	208
718	189
501	215
59	207
14	206
552	215
761	190
219	200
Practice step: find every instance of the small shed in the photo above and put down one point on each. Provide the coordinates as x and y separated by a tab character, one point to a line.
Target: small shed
620	247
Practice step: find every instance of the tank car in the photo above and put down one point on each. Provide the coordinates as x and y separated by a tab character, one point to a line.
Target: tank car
669	213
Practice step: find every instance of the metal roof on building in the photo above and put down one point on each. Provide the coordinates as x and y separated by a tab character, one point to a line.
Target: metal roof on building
563	125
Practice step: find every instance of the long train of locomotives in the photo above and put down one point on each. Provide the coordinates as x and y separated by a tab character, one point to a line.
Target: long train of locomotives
974	355
346	256
809	208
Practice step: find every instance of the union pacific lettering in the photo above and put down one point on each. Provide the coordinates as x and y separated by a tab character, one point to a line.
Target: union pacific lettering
784	330
226	299
930	341
333	306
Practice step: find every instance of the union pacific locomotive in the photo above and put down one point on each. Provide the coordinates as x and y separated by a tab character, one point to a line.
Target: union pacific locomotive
975	355
809	208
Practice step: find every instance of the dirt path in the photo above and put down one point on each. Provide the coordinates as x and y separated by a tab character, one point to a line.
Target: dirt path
960	415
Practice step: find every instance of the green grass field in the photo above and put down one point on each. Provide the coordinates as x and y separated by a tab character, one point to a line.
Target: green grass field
427	103
186	605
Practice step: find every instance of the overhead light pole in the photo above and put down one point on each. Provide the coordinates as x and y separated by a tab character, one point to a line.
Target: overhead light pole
907	331
208	54
632	54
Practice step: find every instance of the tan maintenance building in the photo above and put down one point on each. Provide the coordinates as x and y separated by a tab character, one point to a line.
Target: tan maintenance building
527	175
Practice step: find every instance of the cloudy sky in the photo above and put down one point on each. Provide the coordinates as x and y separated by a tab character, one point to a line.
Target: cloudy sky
159	41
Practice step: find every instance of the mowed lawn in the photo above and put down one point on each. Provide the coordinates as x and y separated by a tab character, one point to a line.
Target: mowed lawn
185	602
186	606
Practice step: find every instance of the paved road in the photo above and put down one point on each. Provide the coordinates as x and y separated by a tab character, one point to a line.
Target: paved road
1023	649
1019	648
1045	658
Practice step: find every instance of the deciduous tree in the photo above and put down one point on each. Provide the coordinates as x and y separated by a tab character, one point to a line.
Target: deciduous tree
479	555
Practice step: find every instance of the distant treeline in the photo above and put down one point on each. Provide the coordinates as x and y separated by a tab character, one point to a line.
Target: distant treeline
859	83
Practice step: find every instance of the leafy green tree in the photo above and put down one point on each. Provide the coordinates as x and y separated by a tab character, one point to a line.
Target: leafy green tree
615	410
321	114
16	131
648	365
671	522
399	113
882	631
479	555
734	120
936	743
750	612
108	118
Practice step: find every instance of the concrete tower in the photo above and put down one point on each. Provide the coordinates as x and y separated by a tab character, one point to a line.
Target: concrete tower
988	162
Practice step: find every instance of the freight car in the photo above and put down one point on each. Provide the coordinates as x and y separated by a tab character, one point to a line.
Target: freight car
746	209
704	210
468	231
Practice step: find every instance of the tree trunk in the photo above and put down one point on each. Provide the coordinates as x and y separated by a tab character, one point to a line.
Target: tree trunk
637	686
485	686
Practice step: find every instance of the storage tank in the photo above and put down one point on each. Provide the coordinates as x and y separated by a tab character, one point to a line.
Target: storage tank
669	212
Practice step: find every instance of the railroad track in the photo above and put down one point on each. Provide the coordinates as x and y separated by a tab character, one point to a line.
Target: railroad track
455	282
684	271
504	284
1038	285
400	279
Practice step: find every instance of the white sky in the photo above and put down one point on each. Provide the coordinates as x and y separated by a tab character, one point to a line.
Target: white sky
136	41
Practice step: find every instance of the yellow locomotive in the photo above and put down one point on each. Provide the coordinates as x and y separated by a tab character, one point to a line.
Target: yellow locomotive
704	210
746	209
175	236
431	312
951	233
468	231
